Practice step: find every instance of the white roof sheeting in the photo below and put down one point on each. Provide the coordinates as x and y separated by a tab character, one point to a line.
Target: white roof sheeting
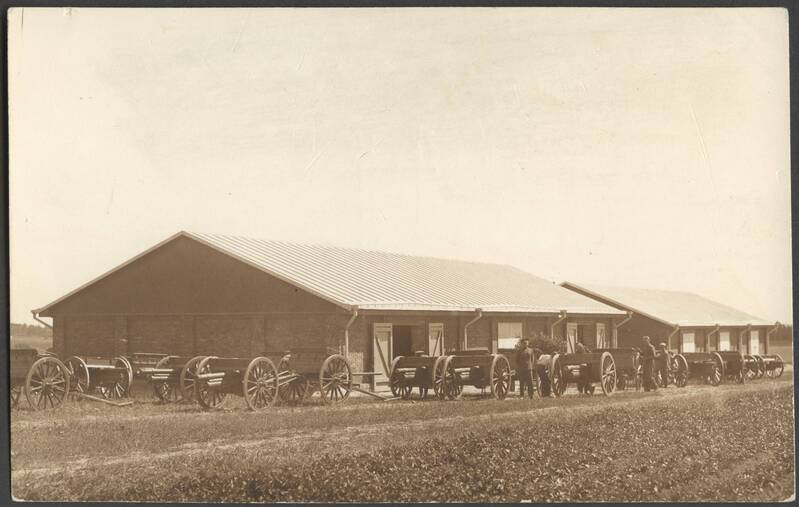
386	281
671	307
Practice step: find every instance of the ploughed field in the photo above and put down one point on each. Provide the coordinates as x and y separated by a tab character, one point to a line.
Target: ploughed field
697	443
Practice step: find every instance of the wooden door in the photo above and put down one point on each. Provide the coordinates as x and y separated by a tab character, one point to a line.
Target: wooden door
435	339
381	352
571	337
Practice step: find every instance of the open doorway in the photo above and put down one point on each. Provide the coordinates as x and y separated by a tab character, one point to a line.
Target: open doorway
401	341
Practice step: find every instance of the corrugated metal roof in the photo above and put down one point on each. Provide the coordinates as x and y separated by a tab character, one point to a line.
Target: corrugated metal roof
386	281
671	307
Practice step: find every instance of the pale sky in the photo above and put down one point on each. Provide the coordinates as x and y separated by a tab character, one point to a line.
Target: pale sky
644	148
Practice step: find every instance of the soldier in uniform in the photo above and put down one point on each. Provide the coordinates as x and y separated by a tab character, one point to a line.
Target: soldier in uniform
648	358
524	368
663	364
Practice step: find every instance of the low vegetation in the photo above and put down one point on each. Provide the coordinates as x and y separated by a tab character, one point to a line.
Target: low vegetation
699	443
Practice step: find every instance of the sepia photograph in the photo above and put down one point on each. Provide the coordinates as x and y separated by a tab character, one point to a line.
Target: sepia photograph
400	254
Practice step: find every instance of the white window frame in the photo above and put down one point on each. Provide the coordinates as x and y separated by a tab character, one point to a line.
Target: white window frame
724	344
754	342
509	342
692	342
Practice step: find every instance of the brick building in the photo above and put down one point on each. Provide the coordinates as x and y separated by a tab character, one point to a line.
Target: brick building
684	321
220	295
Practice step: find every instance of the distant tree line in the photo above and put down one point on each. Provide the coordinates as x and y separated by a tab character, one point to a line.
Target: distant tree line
30	330
784	334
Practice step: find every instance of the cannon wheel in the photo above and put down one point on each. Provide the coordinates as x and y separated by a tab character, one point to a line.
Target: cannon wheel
335	379
607	368
121	386
761	366
718	375
680	367
260	384
438	377
79	375
500	377
556	379
188	377
165	391
450	381
397	381
47	383
779	367
296	390
714	378
751	367
208	397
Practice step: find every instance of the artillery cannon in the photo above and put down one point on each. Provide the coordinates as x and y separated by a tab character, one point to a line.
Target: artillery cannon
705	366
43	378
253	379
421	371
110	378
734	366
478	368
305	370
773	365
173	378
628	367
584	369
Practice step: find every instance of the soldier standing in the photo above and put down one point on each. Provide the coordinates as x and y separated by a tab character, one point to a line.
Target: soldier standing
648	358
524	368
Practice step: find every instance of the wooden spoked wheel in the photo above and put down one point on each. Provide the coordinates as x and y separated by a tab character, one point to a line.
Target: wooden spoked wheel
714	376
396	381
607	368
438	377
720	366
751	367
450	381
679	366
78	373
260	384
166	392
120	387
779	367
295	388
188	376
556	378
47	383
335	379
761	366
209	397
500	377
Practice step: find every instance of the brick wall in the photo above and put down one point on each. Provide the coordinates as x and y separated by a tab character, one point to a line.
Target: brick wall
89	336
